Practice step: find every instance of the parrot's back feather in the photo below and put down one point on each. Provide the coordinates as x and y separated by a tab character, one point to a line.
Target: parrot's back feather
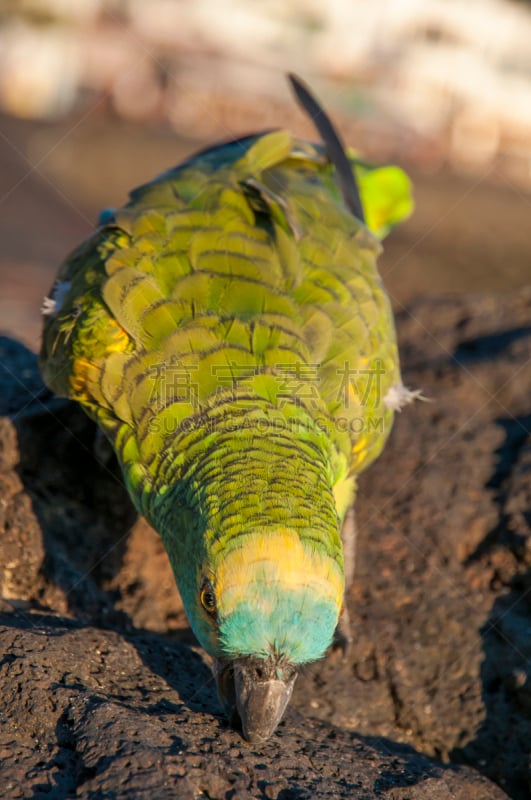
237	273
334	147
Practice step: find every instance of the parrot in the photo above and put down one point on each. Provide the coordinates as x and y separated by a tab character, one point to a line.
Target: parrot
229	333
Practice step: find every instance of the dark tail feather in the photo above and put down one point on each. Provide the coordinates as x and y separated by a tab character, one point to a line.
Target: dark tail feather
334	147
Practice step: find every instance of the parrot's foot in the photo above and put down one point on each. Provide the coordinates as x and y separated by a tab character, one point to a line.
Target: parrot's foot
349	533
343	635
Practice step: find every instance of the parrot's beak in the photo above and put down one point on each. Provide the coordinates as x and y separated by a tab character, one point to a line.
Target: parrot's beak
254	693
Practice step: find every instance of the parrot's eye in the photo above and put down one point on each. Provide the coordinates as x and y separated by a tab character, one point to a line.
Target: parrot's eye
207	596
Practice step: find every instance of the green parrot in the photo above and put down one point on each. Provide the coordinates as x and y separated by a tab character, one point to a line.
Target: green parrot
229	333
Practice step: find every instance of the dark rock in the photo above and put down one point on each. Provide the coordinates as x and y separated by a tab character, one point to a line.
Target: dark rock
104	694
95	713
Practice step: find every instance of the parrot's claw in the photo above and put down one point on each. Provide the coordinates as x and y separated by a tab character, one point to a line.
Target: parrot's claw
343	635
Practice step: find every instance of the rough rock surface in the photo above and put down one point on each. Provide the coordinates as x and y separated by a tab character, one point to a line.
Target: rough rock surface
103	692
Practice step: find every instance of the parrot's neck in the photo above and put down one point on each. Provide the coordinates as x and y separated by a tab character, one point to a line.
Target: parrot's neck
248	504
245	473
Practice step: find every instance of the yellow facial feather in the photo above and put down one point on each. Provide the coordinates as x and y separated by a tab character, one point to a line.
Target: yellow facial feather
276	557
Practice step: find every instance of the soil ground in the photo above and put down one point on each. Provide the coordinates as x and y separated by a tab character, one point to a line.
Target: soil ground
104	693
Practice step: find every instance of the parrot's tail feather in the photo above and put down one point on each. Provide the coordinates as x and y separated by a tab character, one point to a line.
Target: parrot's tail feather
334	147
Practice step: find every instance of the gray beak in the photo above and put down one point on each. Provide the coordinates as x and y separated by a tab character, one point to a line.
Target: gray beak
255	693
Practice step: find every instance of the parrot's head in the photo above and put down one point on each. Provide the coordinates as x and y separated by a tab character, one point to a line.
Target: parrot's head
271	604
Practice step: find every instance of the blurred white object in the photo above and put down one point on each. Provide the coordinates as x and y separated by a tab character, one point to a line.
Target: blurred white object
39	70
455	72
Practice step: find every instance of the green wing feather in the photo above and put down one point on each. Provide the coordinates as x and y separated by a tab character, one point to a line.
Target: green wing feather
243	272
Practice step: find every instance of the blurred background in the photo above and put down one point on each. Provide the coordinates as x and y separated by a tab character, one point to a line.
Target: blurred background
97	96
